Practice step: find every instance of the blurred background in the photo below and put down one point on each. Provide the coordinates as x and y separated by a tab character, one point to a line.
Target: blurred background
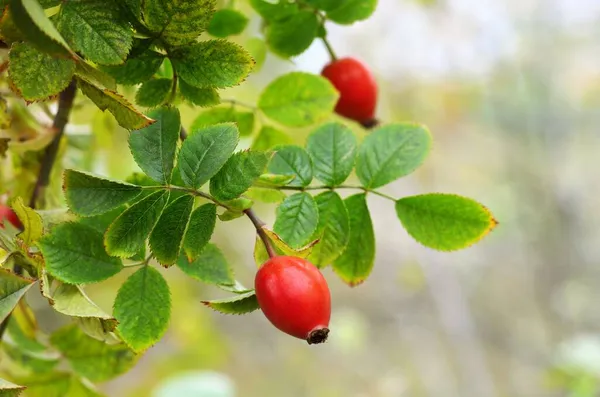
511	92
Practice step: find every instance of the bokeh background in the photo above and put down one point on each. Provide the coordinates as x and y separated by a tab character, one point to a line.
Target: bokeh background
511	92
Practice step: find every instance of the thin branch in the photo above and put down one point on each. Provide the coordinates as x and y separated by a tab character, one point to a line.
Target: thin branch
329	49
323	187
65	104
258	225
235	102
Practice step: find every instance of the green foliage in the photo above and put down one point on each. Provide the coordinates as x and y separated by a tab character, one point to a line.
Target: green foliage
12	289
205	151
332	149
297	219
8	389
269	137
210	266
298	99
391	152
229	114
138	68
445	222
172	223
143	308
349	11
75	254
333	229
238	174
37	75
154	92
227	22
356	262
292	160
239	304
292	35
271	11
96	29
200	230
88	195
31	221
199	96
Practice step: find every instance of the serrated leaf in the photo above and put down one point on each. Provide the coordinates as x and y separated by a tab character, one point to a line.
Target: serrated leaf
238	174
74	254
143	308
31	20
178	21
239	304
96	76
243	120
91	358
154	92
293	35
227	22
31	221
391	152
351	11
273	180
8	389
136	69
72	301
297	219
199	96
126	115
166	238
258	50
292	160
444	222
88	195
128	233
269	137
37	75
332	149
212	64
12	289
210	266
200	230
356	262
205	151
298	99
96	29
274	11
154	147
333	230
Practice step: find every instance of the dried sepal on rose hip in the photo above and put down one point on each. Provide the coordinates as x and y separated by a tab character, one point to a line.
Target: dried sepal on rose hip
357	88
295	298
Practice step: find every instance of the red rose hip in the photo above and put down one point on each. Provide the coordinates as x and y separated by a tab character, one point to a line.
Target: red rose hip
7	214
295	298
357	88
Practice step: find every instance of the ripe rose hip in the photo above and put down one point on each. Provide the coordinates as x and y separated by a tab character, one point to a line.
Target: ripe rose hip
294	296
7	214
357	88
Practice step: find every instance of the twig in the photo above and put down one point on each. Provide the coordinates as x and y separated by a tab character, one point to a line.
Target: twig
258	224
322	187
65	104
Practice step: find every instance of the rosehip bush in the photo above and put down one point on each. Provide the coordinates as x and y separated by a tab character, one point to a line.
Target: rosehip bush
140	61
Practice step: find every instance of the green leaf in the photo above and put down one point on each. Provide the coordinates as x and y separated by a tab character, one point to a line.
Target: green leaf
205	151
136	69
203	97
74	254
239	304
54	384
88	195
12	289
271	11
96	29
325	5
298	99
200	230
293	35
91	358
126	115
297	219
332	148
274	180
96	76
31	221
210	266
154	147
227	22
230	215
258	50
269	137
333	230
180	21
391	152
212	64
356	262
281	247
37	362
243	120
167	237
31	20
128	233
8	389
351	11
37	75
238	174
143	308
154	92
444	222
292	160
